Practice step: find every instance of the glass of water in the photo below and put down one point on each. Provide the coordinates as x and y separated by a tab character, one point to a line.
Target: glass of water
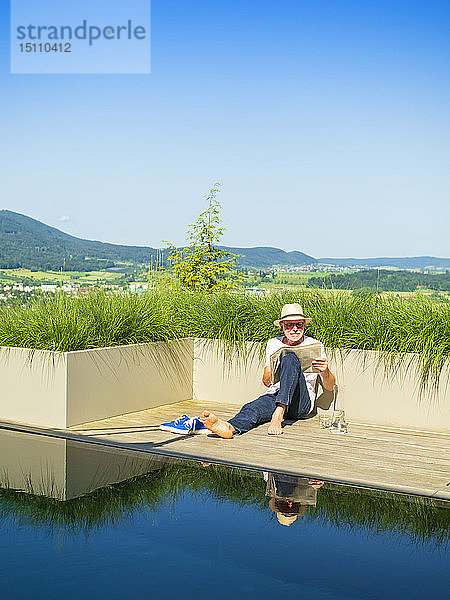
324	420
338	422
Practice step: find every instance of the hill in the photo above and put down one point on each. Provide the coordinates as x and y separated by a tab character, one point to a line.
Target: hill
28	243
406	262
265	257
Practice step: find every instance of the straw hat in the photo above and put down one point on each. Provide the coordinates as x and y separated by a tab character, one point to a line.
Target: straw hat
285	519
291	312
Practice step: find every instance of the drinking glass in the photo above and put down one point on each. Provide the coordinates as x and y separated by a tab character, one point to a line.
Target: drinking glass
338	422
324	420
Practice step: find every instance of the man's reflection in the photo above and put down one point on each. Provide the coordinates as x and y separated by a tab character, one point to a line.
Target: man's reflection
290	496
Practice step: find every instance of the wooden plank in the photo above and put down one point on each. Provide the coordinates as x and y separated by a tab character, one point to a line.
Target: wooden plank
408	461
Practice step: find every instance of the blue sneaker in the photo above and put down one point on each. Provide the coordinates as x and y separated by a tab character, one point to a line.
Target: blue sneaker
185	425
175	426
198	427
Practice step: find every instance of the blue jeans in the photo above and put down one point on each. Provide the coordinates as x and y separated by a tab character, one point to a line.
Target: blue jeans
293	393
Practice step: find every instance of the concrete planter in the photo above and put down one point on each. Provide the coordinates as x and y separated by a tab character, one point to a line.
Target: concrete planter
369	392
62	389
373	392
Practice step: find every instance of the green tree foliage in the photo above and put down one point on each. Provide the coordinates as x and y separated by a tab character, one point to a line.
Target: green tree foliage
202	265
383	281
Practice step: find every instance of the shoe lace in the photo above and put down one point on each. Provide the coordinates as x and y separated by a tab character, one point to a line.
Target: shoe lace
180	420
196	423
190	423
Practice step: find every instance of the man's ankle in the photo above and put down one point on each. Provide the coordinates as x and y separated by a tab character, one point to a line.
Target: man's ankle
278	413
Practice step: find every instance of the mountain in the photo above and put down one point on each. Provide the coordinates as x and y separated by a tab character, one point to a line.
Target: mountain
407	262
28	243
265	257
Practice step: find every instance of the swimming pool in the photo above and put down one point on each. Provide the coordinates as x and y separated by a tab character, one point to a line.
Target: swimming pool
100	522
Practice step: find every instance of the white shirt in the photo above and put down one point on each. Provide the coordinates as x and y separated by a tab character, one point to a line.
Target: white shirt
275	344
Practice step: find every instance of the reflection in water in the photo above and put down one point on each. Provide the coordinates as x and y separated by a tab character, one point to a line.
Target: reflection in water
290	496
64	469
80	486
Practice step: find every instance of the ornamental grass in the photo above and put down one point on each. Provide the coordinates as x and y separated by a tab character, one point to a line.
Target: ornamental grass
342	321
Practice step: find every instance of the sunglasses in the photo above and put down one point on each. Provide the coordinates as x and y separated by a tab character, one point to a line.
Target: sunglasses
290	325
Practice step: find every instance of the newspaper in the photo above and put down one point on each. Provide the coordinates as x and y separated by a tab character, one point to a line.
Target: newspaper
290	487
305	354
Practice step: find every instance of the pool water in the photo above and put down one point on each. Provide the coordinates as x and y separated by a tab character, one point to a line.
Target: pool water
147	526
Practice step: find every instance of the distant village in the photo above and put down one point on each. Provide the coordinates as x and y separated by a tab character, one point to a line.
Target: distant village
14	291
17	293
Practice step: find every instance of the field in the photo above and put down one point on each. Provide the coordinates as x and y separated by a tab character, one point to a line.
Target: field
265	280
282	281
26	276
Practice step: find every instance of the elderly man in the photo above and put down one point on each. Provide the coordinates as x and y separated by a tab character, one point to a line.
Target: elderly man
290	496
293	397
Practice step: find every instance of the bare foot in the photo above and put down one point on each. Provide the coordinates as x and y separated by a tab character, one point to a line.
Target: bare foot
216	425
275	428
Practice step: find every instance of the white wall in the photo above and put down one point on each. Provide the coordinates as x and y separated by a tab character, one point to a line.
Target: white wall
106	382
63	389
369	392
33	386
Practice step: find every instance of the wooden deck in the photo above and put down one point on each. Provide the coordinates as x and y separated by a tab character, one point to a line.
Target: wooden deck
406	461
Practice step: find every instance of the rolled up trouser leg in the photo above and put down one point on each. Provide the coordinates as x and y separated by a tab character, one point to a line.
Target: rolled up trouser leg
254	413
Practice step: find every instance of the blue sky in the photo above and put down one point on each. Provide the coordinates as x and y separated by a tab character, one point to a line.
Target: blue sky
327	123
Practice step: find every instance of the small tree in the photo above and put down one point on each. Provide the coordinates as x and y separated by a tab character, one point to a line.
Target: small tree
203	266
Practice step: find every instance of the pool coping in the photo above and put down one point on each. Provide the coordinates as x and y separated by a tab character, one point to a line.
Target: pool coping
441	494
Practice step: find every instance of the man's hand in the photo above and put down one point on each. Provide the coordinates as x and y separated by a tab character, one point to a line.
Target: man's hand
267	377
328	379
315	483
321	364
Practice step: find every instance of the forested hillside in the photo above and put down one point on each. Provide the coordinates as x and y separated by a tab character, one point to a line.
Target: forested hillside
400	262
383	280
25	242
28	243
